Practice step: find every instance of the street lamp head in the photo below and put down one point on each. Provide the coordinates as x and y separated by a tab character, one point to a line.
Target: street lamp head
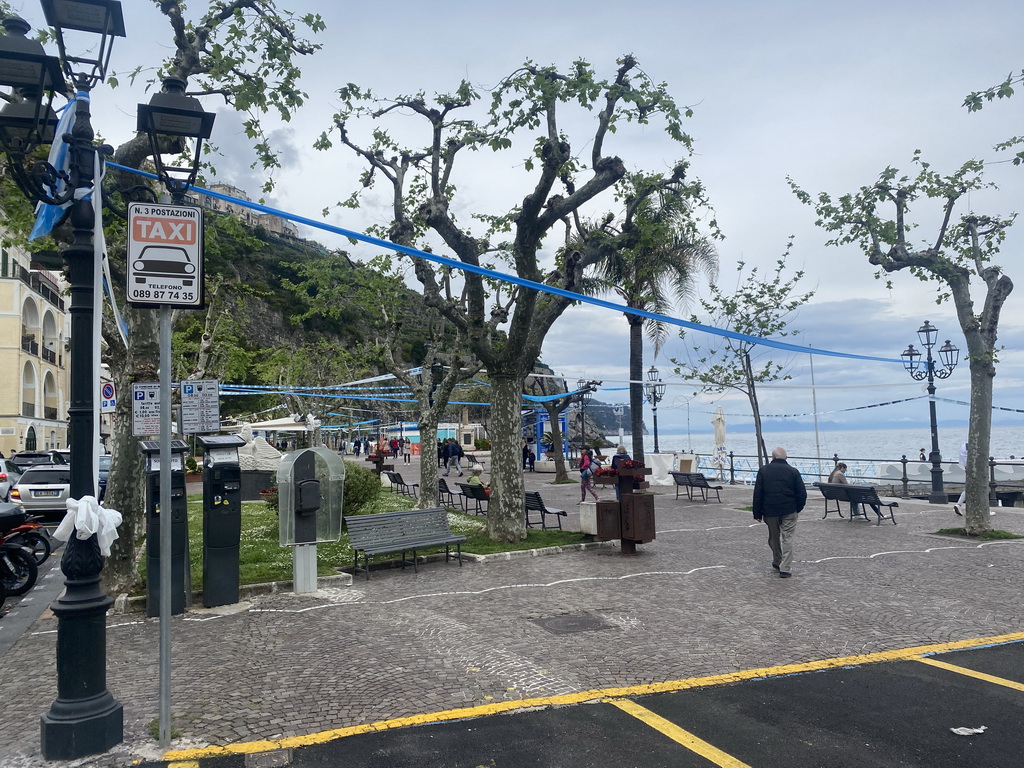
659	389
949	355
172	113
652	374
96	17
911	359
927	333
27	119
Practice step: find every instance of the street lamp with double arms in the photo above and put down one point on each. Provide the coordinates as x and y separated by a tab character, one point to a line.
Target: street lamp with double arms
654	393
85	718
949	355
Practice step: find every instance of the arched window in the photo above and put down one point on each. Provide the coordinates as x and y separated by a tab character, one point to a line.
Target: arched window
28	391
30	439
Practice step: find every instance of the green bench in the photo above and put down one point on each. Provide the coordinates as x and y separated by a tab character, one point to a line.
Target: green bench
388	533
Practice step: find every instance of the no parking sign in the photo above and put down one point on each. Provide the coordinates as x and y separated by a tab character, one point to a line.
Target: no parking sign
108	401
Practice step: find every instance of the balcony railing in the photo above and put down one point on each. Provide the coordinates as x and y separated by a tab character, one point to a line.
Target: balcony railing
49	413
49	356
37	282
30	345
28	409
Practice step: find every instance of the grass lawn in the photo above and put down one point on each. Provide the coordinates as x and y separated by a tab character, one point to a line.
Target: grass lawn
262	559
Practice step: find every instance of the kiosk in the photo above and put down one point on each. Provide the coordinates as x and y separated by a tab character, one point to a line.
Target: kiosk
222	518
179	526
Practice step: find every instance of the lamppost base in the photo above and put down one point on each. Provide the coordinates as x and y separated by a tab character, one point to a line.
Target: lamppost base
937	497
73	729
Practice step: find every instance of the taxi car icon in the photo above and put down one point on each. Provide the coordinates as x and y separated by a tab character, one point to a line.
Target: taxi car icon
162	261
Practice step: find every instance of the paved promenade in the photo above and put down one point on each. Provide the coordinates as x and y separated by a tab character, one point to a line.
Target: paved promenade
700	600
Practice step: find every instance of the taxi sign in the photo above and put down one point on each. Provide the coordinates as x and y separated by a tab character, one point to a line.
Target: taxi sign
165	255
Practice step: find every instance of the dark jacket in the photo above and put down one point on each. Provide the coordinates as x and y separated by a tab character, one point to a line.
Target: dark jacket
779	490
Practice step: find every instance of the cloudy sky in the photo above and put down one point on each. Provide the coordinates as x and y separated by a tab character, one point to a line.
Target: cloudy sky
827	93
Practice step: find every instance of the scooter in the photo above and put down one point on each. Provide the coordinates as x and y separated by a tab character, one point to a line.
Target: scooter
29	532
18	569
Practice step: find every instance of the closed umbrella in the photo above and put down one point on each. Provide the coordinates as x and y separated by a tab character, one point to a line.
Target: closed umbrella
720	456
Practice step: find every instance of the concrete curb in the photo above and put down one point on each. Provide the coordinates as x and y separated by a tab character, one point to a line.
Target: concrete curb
124	604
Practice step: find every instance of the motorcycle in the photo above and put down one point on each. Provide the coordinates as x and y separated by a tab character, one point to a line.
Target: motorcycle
27	531
18	569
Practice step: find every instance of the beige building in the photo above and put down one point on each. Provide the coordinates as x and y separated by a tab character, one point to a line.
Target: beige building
34	358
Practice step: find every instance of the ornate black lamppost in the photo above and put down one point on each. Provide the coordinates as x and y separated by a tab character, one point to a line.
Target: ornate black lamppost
85	718
949	356
586	388
654	392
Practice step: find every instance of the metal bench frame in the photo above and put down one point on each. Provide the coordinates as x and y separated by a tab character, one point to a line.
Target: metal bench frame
388	533
532	502
860	497
475	493
691	480
404	488
445	495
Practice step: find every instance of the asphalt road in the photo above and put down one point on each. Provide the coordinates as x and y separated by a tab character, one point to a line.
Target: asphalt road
883	714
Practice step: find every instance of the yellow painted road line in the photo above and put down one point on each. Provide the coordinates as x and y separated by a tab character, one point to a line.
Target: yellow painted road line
678	735
900	654
972	673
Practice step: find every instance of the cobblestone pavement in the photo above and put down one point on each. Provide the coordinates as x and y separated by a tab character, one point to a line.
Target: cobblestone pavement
701	599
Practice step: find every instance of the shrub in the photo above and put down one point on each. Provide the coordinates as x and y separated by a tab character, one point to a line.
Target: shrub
482	444
362	486
191	465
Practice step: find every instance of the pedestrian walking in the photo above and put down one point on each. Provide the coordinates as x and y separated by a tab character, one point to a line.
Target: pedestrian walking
587	468
357	446
779	495
407	451
455	454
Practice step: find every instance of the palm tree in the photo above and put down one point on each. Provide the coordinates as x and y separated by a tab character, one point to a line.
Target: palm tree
656	274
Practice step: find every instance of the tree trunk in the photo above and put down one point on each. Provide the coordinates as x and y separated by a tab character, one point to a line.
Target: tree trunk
505	518
636	388
748	371
554	408
428	461
979	434
126	482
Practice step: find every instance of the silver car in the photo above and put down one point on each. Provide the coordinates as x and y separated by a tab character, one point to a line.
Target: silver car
44	491
9	474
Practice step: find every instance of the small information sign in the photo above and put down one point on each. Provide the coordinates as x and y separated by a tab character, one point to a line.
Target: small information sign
165	255
200	406
145	409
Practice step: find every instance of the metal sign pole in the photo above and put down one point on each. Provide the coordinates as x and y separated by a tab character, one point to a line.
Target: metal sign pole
165	526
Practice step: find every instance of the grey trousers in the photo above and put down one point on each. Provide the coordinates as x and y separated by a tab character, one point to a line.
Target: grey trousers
781	531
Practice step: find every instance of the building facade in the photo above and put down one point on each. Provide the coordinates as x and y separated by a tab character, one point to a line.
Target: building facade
34	356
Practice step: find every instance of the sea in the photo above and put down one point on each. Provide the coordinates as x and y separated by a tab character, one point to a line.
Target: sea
849	444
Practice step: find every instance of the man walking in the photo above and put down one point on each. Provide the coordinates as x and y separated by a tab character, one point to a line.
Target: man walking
779	495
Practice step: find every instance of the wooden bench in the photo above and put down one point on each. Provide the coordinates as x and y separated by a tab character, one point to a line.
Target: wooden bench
477	494
691	480
532	502
407	531
860	497
404	488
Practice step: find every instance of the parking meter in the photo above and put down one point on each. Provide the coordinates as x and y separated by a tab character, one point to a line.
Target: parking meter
179	526
222	518
310	486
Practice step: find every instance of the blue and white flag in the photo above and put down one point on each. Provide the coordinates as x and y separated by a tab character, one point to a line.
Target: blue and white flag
48	215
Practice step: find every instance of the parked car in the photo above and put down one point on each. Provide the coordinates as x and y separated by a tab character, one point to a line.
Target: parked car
65	454
101	484
9	474
34	458
44	491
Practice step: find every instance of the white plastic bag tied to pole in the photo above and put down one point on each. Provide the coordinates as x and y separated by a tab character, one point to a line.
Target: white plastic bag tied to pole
86	517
